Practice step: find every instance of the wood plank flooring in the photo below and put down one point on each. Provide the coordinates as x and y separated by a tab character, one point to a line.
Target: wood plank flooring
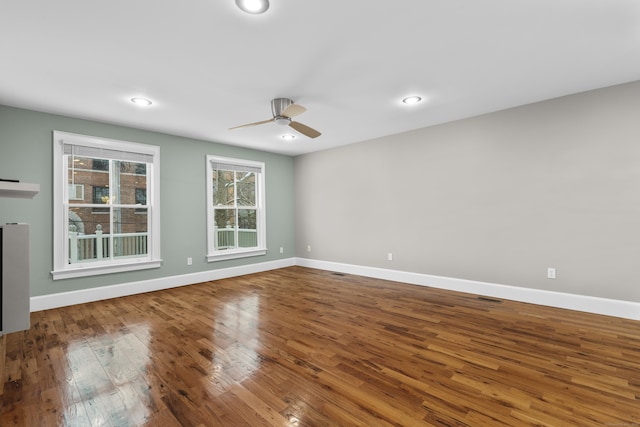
304	347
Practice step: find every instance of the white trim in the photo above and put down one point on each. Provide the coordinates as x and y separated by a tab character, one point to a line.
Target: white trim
105	143
223	255
608	307
63	299
589	304
84	270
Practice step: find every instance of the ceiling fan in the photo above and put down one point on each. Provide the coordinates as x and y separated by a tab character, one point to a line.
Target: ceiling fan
283	109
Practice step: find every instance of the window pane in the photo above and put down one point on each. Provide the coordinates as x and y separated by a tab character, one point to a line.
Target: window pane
130	220
86	222
88	235
130	232
81	178
223	188
246	184
100	197
225	234
128	177
247	230
247	219
225	218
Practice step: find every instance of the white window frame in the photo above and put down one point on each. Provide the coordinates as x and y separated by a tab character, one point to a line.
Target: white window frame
62	269
261	223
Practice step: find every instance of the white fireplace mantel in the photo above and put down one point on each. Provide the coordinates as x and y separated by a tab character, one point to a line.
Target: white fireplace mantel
21	190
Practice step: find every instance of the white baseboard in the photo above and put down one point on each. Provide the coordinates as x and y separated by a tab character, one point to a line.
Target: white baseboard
589	304
63	299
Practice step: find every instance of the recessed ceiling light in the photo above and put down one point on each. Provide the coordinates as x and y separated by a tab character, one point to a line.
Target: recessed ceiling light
288	137
253	6
410	100
143	102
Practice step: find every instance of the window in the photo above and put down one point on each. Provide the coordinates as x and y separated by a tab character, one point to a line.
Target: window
100	195
76	192
100	164
116	226
141	196
235	208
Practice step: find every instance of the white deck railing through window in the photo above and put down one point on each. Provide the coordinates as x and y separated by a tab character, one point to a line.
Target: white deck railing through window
225	238
94	247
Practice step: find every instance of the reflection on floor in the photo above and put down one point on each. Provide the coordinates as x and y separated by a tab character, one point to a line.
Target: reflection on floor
297	346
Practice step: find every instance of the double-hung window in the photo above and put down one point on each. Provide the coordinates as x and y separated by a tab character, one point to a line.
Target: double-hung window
113	224
235	208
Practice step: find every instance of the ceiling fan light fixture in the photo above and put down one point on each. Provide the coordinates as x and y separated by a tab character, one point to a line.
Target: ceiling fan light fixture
288	137
142	102
282	121
253	6
412	100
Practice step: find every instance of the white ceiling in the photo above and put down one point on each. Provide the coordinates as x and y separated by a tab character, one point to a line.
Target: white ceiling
208	66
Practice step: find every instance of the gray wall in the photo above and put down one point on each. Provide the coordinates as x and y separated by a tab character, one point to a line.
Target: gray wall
495	198
26	154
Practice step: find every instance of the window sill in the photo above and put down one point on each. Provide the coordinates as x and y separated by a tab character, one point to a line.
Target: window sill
226	255
95	270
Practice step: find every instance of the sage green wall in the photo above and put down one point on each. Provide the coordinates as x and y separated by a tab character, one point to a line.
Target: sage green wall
496	198
26	154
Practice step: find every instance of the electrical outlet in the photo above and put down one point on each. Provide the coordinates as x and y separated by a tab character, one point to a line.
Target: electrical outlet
189	261
281	250
308	248
551	273
390	256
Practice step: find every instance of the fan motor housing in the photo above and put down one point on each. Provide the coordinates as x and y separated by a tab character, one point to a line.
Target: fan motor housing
277	107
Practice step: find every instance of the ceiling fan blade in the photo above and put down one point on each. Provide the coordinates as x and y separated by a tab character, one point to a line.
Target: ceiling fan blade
252	124
293	110
305	130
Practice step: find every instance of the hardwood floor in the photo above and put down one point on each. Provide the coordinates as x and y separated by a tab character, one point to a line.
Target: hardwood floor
303	347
